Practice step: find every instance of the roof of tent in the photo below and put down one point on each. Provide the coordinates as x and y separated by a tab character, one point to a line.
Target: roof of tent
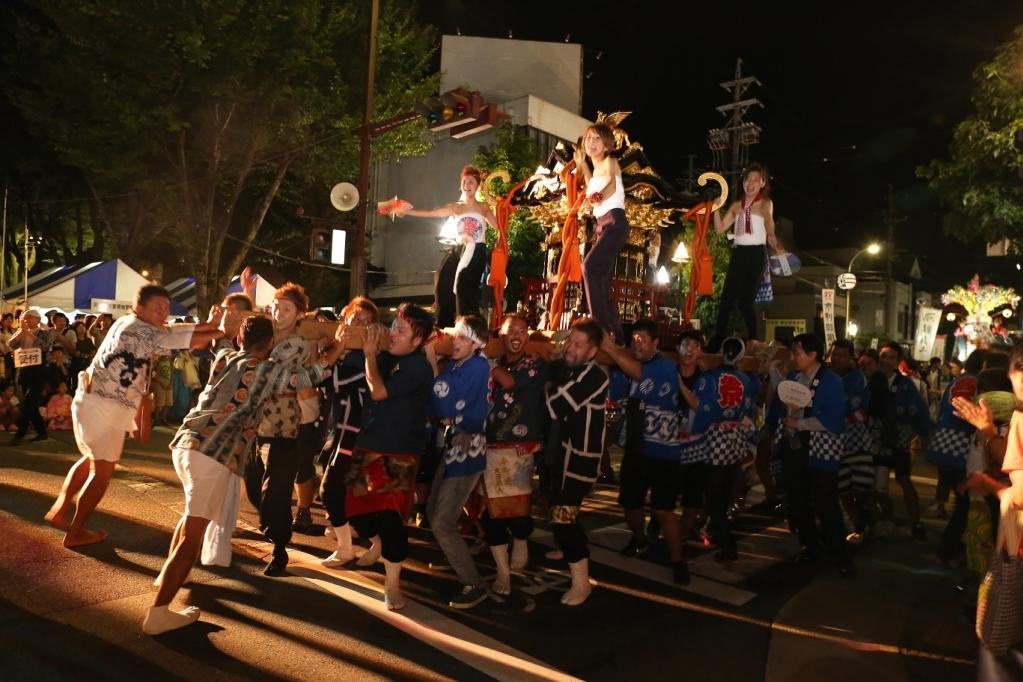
183	298
75	286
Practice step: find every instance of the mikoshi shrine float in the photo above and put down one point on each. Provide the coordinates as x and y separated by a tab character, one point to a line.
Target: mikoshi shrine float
555	197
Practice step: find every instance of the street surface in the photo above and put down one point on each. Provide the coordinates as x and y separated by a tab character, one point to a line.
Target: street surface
76	614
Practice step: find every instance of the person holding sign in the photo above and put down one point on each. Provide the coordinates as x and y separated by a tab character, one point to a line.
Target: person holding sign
810	444
108	398
31	345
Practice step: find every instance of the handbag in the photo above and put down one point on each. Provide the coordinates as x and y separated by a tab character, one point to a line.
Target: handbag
1000	598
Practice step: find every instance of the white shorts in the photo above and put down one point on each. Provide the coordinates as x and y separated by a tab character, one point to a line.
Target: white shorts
205	481
95	425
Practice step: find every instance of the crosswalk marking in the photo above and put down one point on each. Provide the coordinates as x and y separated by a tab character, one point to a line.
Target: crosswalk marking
655	572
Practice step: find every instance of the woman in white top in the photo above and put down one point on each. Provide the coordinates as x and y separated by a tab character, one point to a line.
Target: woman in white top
753	217
606	196
471	217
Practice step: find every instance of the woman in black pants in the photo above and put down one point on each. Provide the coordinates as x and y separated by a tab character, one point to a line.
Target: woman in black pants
471	217
753	219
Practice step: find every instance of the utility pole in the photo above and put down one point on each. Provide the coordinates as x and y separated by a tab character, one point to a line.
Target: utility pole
738	134
3	252
891	220
357	283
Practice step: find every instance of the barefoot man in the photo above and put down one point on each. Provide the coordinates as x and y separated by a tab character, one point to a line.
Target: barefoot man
108	398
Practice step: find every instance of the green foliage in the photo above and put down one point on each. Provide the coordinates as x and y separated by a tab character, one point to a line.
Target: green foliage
721	252
980	184
515	152
185	119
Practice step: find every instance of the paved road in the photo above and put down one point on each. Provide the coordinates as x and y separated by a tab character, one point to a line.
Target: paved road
76	614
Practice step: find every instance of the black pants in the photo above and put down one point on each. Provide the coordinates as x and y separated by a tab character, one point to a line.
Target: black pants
720	483
275	496
307	448
569	494
812	492
467	282
745	272
951	545
390	527
599	266
333	490
33	385
497	531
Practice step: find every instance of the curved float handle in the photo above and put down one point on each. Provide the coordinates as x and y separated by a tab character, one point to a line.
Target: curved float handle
487	189
718	178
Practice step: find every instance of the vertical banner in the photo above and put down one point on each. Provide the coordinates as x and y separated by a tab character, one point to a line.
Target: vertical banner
926	330
828	305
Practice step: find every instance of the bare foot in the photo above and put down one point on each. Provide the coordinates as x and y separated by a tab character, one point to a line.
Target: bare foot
84	537
57	518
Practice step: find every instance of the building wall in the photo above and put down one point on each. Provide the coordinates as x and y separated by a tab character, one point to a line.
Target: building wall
504	70
407	248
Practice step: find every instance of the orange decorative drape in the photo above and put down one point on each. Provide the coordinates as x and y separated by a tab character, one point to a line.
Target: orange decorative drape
499	256
701	276
570	267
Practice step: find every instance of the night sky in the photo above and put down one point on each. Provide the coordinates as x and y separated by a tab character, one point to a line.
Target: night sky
856	96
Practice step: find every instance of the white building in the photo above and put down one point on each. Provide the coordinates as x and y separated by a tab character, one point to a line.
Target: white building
538	85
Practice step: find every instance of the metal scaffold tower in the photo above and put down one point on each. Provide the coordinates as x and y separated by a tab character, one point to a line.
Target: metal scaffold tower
738	134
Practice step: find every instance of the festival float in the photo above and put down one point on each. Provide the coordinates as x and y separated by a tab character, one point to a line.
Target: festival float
975	308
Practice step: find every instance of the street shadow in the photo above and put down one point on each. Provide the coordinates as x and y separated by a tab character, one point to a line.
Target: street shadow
37	648
290	599
324	614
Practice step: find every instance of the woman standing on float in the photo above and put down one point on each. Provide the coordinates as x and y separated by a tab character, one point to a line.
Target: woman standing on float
606	195
470	216
753	217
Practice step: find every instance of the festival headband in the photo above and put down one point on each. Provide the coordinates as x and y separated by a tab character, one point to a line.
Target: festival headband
463	329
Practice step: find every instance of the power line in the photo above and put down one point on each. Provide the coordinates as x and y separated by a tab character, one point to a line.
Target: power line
256	164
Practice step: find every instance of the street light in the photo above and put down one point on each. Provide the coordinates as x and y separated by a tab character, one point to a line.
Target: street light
873	249
853	329
681	254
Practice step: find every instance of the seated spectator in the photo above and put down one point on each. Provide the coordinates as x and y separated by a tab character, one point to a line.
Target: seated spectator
58	410
9	409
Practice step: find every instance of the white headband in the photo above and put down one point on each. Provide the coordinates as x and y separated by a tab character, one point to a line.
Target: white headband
463	329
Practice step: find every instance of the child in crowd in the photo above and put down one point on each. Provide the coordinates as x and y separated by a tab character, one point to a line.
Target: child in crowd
9	409
58	409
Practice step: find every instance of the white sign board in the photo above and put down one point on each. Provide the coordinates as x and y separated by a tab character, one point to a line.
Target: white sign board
109	305
28	357
926	330
846	280
828	306
337	247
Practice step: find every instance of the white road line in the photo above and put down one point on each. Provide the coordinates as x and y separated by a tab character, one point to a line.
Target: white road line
655	572
490	656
